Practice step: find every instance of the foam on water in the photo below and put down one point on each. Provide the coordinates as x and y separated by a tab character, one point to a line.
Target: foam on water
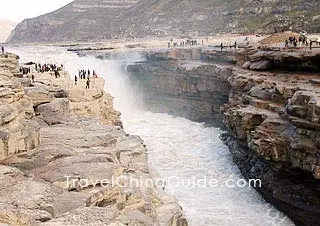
182	149
177	148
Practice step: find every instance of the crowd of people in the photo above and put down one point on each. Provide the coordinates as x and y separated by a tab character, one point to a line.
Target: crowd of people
85	75
41	68
184	42
230	45
25	70
194	42
294	42
301	41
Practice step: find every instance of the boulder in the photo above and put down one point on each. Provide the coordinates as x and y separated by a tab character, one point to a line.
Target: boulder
301	98
260	92
246	65
54	108
25	82
60	94
170	214
9	112
261	65
306	105
38	95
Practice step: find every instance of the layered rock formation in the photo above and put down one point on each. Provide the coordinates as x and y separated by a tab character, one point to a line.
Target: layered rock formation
175	81
84	169
289	60
273	120
272	116
18	131
84	20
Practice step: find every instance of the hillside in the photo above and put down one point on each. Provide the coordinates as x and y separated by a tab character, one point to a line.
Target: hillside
84	20
5	29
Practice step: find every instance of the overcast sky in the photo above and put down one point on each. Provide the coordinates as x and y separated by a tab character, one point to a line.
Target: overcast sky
17	10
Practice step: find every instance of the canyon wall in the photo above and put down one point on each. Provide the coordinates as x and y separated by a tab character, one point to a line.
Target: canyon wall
177	82
66	159
271	114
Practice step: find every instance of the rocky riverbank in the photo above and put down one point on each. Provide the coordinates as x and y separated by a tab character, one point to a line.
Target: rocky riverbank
62	150
269	102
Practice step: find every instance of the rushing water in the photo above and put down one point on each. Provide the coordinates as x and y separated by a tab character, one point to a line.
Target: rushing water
179	150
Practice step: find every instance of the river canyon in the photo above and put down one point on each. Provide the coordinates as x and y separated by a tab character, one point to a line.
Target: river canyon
177	147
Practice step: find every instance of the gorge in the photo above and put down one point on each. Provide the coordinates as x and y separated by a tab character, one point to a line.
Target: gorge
196	112
173	141
271	114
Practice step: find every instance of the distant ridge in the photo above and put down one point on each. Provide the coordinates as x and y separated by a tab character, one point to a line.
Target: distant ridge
88	20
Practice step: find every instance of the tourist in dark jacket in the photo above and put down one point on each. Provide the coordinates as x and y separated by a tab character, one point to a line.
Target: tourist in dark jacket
88	83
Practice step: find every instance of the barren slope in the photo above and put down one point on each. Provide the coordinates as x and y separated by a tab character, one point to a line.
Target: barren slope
103	19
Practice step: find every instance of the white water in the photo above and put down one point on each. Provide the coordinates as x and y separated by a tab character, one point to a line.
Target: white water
177	147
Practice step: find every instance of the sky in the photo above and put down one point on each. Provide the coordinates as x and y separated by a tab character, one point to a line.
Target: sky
17	10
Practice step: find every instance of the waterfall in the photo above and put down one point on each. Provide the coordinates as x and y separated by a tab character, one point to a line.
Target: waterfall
177	148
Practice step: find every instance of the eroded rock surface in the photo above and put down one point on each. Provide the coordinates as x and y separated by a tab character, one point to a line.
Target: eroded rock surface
79	171
285	60
18	131
273	123
67	180
272	116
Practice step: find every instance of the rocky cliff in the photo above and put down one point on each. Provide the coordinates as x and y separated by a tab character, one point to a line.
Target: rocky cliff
177	82
84	20
272	115
18	131
67	161
273	124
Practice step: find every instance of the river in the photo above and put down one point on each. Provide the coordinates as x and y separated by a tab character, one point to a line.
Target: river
179	150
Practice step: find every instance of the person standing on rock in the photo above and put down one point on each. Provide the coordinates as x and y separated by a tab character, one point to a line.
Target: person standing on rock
56	73
88	83
291	40
286	44
2	49
75	79
221	45
32	78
